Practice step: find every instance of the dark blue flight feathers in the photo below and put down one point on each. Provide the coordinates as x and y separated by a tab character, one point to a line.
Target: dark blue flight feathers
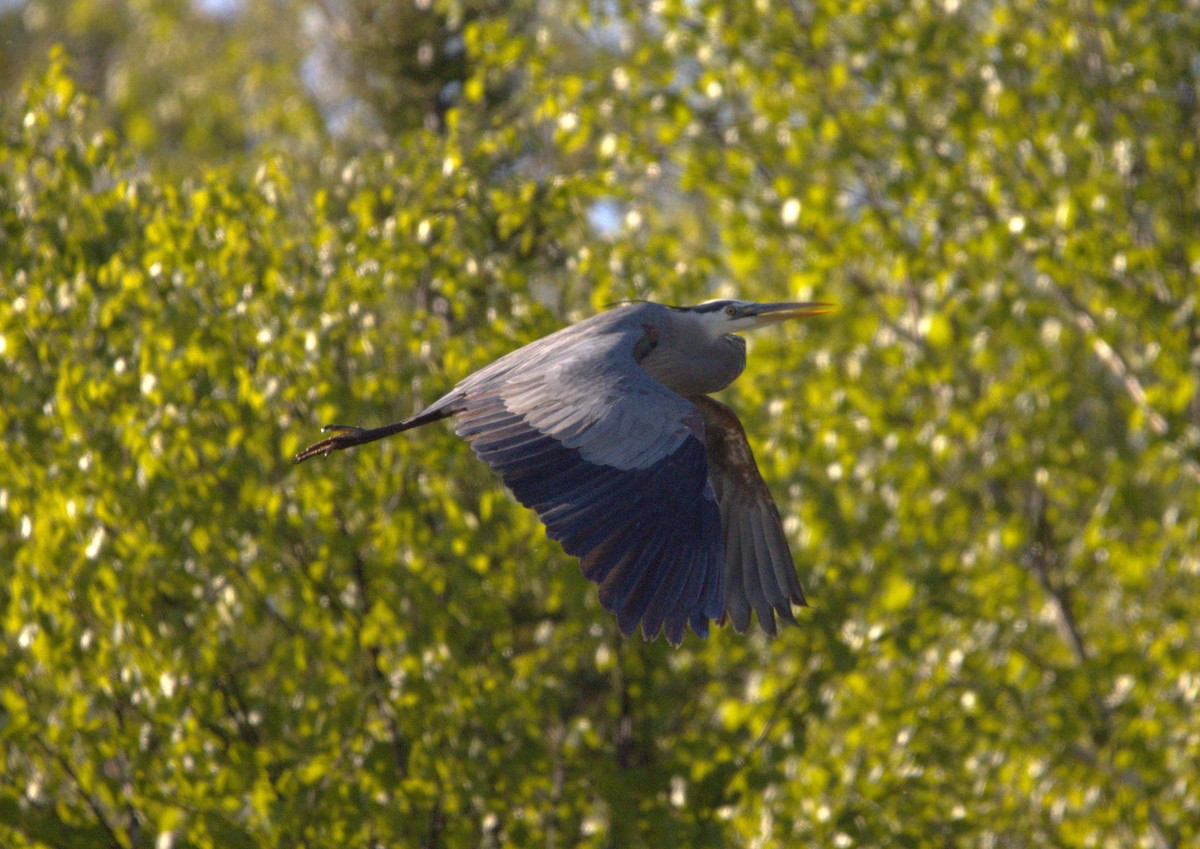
651	538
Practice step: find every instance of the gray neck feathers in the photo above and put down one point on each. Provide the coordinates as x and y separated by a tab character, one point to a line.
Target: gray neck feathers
697	369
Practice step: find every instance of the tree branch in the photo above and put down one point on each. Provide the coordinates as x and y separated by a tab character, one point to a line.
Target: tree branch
92	803
400	748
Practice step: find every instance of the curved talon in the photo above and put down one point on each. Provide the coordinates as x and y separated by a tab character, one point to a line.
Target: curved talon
345	437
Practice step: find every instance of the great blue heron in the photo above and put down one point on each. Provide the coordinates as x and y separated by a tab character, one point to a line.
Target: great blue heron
605	428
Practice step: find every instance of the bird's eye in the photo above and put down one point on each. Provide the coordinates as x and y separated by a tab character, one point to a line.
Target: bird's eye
731	311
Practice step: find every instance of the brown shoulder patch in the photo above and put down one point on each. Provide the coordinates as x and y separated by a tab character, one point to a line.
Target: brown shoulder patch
647	343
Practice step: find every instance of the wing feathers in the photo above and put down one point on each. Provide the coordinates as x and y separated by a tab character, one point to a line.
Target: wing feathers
759	574
754	564
736	605
663	604
655	572
614	465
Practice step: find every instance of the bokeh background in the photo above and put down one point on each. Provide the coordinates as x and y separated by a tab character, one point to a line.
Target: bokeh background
226	222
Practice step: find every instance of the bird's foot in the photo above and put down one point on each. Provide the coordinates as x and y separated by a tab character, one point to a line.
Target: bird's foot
345	436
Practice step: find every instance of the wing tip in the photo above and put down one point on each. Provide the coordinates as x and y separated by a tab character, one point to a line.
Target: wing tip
674	630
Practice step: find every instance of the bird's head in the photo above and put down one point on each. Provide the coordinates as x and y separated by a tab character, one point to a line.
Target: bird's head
724	317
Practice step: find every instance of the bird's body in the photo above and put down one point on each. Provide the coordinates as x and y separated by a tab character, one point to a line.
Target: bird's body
605	429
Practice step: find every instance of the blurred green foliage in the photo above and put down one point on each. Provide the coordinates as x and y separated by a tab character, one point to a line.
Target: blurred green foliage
988	460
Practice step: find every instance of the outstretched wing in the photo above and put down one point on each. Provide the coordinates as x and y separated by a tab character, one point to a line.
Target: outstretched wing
614	464
758	565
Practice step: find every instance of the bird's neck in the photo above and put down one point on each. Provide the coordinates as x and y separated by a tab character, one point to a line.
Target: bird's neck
698	370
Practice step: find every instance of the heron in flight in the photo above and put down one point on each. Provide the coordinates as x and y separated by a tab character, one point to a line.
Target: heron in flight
606	430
